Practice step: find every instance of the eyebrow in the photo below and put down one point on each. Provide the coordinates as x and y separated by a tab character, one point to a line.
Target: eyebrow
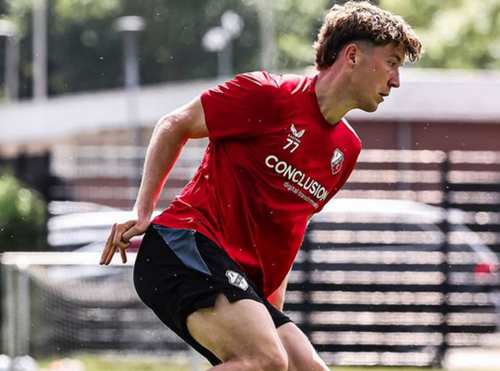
397	57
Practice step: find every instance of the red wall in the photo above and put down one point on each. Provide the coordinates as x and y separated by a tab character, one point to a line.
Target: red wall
428	135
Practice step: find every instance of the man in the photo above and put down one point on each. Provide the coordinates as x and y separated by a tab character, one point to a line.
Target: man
214	265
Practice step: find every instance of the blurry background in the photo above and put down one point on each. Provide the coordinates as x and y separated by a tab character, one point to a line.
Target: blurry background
83	49
83	82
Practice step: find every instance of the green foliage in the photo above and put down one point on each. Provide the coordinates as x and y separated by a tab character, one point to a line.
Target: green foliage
297	26
456	33
80	11
85	53
23	217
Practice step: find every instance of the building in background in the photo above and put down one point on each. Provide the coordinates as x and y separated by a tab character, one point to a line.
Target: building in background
433	109
87	136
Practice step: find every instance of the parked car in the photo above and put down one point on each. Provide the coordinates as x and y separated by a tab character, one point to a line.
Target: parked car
381	230
380	225
71	231
376	282
361	228
392	282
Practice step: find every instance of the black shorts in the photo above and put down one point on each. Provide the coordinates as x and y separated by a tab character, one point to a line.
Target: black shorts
179	271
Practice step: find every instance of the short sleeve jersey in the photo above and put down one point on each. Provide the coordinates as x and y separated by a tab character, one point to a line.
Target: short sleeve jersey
272	161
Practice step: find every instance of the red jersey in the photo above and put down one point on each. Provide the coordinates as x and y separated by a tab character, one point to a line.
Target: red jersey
272	161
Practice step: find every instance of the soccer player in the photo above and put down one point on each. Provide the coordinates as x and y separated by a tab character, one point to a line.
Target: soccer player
214	265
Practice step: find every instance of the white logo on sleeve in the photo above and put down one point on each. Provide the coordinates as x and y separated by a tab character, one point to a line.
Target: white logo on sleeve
337	161
237	280
293	139
297	134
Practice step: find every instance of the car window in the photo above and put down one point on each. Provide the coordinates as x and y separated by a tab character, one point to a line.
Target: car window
375	235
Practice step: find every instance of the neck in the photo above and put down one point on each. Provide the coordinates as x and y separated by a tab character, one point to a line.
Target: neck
332	95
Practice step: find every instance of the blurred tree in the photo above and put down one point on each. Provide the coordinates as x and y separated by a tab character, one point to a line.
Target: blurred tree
23	217
456	33
297	25
85	53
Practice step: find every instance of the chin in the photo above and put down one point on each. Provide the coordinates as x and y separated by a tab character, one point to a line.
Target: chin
368	104
369	108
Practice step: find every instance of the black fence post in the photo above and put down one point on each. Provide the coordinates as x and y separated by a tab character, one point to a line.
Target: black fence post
306	286
47	180
34	170
445	266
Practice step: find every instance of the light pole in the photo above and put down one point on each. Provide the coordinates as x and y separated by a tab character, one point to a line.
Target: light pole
130	27
220	40
10	31
268	54
40	50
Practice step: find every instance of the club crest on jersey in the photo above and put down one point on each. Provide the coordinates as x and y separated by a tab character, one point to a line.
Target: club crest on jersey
237	280
337	161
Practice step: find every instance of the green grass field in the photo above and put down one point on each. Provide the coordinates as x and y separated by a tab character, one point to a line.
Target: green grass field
114	363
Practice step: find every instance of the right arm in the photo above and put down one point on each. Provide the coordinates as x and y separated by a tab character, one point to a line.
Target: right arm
169	136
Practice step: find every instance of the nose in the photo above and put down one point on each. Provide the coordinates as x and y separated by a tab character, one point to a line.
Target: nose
394	81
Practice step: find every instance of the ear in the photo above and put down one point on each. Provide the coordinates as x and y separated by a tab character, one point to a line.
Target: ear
351	54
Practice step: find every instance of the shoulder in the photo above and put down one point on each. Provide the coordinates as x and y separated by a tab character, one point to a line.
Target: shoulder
293	83
264	83
351	130
261	81
274	82
260	85
258	78
274	85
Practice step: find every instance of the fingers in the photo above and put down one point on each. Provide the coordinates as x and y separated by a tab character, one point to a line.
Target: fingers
116	241
135	230
123	254
119	238
109	249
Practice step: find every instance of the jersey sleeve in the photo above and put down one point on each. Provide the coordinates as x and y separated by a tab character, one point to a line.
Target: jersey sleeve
241	108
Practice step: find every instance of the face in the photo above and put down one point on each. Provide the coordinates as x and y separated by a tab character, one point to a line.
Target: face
375	73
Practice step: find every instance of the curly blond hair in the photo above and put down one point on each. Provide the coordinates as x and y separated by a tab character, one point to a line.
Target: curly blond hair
362	21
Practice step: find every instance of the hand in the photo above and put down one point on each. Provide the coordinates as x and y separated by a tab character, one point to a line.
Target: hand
119	238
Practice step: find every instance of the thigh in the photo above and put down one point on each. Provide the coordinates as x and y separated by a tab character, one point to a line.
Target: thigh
178	273
241	329
301	354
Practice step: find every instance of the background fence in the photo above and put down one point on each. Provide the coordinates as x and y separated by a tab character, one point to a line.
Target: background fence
466	180
381	283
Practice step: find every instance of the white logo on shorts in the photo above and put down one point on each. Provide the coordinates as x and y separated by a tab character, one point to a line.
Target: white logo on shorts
237	280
